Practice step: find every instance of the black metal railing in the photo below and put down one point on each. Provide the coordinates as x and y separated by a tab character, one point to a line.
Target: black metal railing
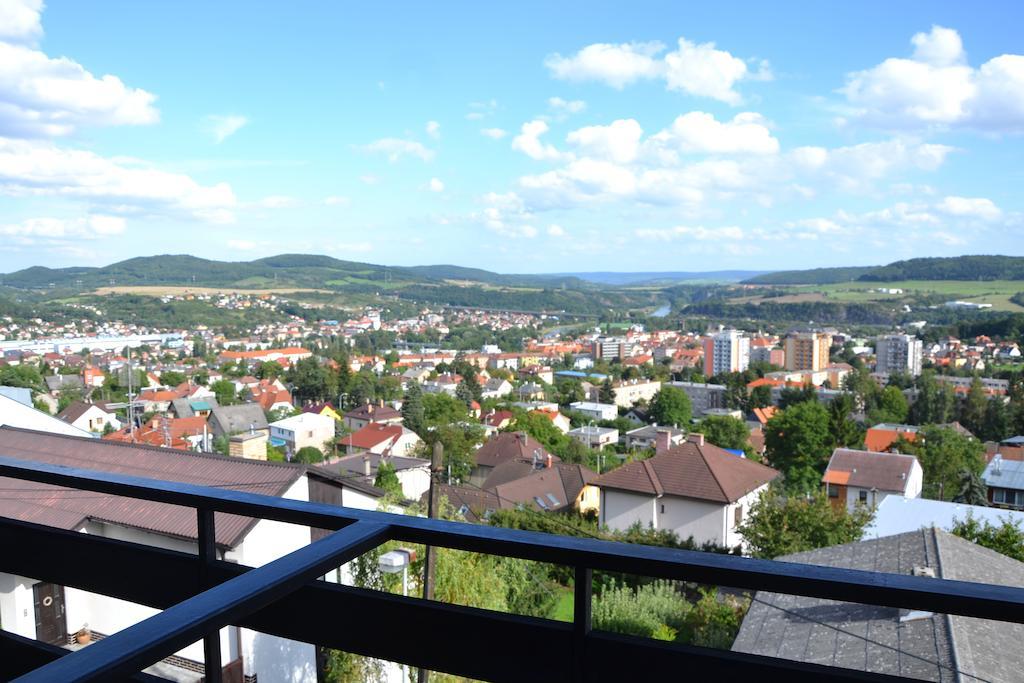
200	594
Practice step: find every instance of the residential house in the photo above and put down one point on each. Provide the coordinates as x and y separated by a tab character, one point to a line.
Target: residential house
370	413
595	437
496	387
381	438
886	640
413	473
247	417
867	478
505	447
881	437
693	489
898	515
192	407
702	396
595	411
555	487
498	419
39	610
57	384
561	422
91	417
323	409
529	391
19	394
301	431
629	392
271	396
1005	481
14	413
647	436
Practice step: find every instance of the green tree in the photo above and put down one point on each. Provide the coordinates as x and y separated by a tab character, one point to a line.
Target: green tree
781	525
24	376
972	410
173	378
671	406
935	404
798	442
760	397
224	389
1006	538
308	455
972	489
726	432
412	408
472	385
387	479
269	370
460	441
945	455
790	396
997	421
891	406
845	432
312	381
464	393
606	394
442	409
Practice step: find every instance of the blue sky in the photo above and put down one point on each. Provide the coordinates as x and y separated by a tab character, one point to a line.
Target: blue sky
544	137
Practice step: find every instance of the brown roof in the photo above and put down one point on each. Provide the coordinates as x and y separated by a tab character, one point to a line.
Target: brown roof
549	488
871	470
374	413
69	509
509	446
691	470
477	503
372	435
74	411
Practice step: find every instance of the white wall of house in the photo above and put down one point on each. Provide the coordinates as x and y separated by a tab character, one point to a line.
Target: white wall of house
621	509
17	609
703	520
94	420
415	481
733	537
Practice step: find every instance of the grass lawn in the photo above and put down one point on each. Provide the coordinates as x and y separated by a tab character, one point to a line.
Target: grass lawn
562	611
995	292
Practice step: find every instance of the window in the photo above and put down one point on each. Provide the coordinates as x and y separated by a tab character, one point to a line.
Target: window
863	496
998	495
737	518
662	508
833	491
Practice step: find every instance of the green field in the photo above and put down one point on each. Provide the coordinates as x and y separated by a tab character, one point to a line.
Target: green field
995	292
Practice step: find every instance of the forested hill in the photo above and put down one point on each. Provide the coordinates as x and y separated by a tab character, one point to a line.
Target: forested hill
952	268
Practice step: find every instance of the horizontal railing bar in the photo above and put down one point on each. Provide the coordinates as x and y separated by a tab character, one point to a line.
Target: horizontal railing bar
311	615
19	655
894	590
163	634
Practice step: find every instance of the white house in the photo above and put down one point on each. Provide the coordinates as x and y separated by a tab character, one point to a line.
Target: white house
302	430
867	478
595	437
90	417
413	473
496	387
267	657
695	489
595	411
16	414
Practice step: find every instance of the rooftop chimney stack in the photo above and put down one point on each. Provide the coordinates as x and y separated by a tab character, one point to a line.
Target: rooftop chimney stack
366	465
662	440
695	438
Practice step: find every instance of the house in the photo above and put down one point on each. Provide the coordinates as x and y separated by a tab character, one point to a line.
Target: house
1005	481
385	439
301	431
60	383
19	394
881	437
647	436
92	417
561	422
595	437
271	397
555	487
498	419
595	411
629	392
506	447
496	387
867	478
702	396
886	640
529	392
191	407
323	409
693	489
247	417
241	540
368	413
473	504
286	356
413	473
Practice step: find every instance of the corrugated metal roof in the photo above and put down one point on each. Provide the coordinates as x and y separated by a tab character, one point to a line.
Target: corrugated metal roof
69	508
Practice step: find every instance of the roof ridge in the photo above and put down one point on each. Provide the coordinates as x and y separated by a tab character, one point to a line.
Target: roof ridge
653	476
711	470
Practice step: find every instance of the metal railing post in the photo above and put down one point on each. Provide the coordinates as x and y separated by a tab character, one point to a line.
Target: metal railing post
212	670
581	620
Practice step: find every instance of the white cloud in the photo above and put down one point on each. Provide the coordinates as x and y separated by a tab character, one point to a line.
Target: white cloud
276	201
618	142
528	142
973	207
92	227
44	97
696	69
436	185
948	239
38	168
481	110
615	65
396	148
222	126
697	131
242	245
337	200
494	133
433	129
556	231
566	106
19	21
698	233
369	179
506	215
937	87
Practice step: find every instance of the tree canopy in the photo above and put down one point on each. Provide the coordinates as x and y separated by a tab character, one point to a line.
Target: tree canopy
671	406
798	442
780	525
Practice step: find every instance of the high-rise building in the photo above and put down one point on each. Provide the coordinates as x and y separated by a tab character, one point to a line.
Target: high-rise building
898	353
610	348
807	351
726	351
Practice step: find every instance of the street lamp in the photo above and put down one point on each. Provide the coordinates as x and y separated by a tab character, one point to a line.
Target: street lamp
395	561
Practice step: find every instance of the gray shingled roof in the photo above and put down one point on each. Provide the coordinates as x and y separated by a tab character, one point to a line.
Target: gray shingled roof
235	419
871	638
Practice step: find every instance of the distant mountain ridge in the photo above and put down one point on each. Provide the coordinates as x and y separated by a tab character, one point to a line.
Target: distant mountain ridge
314	271
974	267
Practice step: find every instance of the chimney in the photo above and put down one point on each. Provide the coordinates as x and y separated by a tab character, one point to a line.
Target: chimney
366	465
695	438
549	461
380	403
662	440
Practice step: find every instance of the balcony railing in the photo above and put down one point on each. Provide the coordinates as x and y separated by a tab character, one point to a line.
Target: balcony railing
200	594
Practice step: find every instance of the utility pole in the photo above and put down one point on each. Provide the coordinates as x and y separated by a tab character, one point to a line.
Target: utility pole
433	502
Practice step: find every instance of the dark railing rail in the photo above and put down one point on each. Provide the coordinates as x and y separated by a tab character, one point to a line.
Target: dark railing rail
222	593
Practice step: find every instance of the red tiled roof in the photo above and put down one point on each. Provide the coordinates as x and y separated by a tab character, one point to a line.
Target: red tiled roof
881	440
371	436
